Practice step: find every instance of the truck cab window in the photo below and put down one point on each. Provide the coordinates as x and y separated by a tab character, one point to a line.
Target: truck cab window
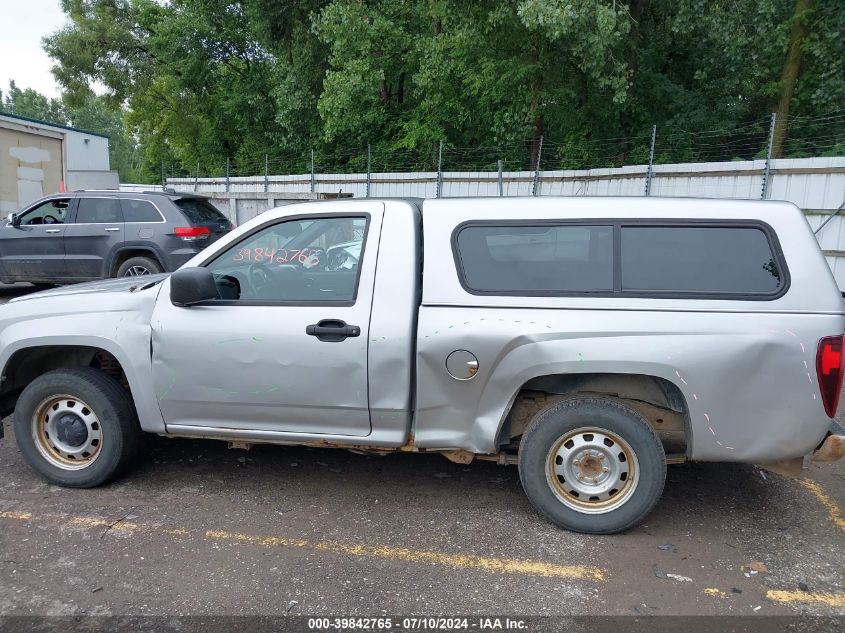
293	261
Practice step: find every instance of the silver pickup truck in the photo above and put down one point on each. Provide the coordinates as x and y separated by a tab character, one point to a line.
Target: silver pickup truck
591	341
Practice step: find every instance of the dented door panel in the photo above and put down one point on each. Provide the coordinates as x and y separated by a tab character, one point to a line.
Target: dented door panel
264	374
241	366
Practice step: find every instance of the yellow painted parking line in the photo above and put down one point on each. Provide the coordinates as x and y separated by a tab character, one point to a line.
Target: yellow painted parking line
124	526
460	561
11	514
266	541
807	597
464	561
829	504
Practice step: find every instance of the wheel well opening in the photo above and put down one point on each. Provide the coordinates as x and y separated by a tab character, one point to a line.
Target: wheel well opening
27	364
658	400
122	256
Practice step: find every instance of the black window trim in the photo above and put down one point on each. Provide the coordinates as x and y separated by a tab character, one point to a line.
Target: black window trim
292	218
618	292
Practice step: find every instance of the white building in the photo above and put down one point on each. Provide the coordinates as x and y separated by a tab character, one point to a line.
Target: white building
39	158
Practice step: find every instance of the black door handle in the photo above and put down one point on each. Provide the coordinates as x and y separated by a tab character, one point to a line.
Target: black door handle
332	330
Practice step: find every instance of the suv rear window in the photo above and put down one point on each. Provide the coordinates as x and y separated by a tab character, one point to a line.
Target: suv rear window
730	260
199	211
698	259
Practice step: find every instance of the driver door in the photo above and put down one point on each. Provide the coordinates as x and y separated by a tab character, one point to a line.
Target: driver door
254	360
34	250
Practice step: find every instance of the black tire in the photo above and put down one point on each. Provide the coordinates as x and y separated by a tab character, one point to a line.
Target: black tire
115	416
150	265
573	418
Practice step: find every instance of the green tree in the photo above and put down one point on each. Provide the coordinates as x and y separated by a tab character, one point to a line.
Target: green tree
206	80
195	79
33	104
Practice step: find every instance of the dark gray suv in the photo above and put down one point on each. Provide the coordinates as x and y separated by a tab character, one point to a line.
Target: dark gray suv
87	235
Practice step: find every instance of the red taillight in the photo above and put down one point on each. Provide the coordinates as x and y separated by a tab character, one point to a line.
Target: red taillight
192	232
830	370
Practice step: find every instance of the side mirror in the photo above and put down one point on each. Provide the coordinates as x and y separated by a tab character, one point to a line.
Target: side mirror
189	286
14	219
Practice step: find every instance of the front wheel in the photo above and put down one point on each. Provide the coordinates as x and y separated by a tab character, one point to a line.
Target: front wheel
592	465
76	427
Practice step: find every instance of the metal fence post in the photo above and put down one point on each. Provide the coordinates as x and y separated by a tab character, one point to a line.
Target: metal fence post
163	181
227	173
439	190
369	159
764	192
266	173
312	172
535	188
650	173
501	183
197	178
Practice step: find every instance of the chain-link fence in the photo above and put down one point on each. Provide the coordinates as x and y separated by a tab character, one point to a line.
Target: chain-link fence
818	136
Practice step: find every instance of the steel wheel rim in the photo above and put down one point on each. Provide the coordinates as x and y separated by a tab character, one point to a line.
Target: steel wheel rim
52	440
592	470
136	271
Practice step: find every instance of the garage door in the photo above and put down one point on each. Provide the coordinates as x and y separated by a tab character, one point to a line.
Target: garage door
30	167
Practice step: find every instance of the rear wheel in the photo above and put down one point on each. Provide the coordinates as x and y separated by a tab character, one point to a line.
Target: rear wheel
592	465
137	266
76	427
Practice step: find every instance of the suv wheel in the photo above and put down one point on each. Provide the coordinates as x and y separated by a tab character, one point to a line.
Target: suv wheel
76	427
592	465
135	266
